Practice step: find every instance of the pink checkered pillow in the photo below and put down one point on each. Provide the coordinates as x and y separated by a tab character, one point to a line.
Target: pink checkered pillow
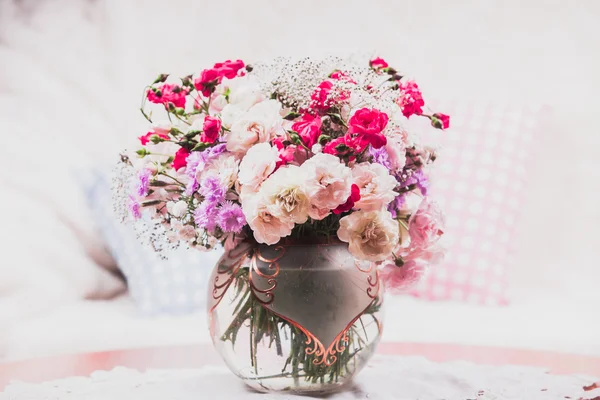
479	181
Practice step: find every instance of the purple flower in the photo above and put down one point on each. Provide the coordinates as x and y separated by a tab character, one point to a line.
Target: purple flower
396	204
197	161
380	156
134	208
410	177
231	217
143	183
212	189
205	215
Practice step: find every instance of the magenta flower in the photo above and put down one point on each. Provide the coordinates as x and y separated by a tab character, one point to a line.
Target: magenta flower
231	217
411	101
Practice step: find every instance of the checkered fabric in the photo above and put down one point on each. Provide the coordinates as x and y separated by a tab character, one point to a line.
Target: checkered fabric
479	181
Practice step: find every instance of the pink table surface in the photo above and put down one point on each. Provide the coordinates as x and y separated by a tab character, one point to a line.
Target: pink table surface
44	369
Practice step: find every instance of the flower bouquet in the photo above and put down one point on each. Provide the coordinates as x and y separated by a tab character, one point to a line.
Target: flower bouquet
303	173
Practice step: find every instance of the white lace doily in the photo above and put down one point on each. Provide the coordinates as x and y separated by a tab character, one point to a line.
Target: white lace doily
387	377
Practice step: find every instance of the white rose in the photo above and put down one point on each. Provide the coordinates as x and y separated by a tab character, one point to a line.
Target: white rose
376	186
283	192
259	124
258	163
266	227
328	181
371	235
177	209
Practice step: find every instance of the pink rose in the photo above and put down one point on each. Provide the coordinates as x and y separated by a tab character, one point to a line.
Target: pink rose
148	137
229	69
368	126
411	100
440	121
399	277
180	159
426	225
378	64
208	80
309	129
168	93
211	129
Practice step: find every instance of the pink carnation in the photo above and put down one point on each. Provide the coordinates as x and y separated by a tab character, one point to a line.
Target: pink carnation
168	93
229	69
208	80
398	278
411	100
309	129
180	158
368	126
440	121
426	225
211	129
148	137
378	64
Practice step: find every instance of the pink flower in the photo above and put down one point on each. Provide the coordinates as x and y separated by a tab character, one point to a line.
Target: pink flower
148	137
341	76
440	121
168	93
180	158
352	199
320	96
368	126
287	154
208	80
371	235
398	277
229	69
378	64
211	129
411	100
309	129
345	145
426	225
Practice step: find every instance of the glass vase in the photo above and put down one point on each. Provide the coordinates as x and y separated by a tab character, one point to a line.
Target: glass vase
301	317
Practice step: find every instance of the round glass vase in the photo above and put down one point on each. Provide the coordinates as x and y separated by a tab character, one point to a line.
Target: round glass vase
296	316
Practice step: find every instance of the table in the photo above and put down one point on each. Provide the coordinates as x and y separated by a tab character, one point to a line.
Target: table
194	356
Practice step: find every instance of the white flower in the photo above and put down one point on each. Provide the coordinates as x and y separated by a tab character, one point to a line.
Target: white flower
162	126
328	181
225	166
177	209
266	227
244	91
376	186
230	114
261	123
316	148
258	163
371	235
283	192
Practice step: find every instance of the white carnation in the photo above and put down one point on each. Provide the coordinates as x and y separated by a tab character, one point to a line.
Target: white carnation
371	235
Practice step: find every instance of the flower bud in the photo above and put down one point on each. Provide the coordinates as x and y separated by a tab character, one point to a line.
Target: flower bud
142	152
440	121
161	78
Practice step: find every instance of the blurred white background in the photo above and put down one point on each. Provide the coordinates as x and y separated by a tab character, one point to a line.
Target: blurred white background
71	74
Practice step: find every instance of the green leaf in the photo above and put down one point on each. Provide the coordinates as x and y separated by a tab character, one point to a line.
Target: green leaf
292	116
